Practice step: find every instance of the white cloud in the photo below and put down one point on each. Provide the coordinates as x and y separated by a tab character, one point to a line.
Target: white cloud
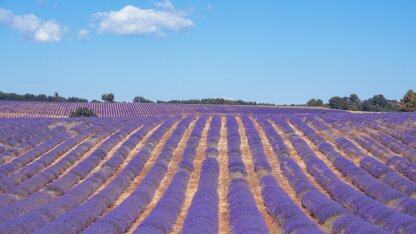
132	20
83	34
208	7
166	5
31	27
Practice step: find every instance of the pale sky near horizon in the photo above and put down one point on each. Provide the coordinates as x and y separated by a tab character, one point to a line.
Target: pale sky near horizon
266	51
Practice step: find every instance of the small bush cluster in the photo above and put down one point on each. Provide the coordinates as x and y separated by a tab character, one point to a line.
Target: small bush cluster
82	112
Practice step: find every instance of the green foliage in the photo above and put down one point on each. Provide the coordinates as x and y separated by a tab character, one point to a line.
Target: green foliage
139	99
76	99
38	98
315	102
108	97
408	102
354	98
214	101
345	103
379	103
56	96
82	112
353	102
338	103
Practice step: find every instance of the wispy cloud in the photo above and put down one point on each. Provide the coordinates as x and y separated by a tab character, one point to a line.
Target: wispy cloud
166	5
83	34
31	27
132	20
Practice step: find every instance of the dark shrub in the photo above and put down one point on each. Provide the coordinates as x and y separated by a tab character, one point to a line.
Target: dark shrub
82	112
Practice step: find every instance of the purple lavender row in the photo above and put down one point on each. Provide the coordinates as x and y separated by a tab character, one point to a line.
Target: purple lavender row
41	179
397	163
376	148
140	109
321	206
45	160
367	143
164	214
385	139
371	165
188	156
278	203
14	132
382	135
39	216
33	141
235	161
358	176
202	215
34	137
9	129
77	219
376	168
396	146
256	146
37	134
81	170
30	186
389	126
390	129
244	214
213	138
32	212
24	159
388	176
119	219
371	210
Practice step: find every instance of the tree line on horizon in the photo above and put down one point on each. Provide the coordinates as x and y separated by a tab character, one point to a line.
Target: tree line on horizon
110	97
377	103
38	98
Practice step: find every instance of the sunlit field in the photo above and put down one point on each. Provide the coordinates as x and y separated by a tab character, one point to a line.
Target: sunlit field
208	169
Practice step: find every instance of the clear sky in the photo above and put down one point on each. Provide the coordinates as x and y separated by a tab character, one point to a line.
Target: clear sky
269	51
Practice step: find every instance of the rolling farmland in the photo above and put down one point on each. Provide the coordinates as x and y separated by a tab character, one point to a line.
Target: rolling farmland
13	109
157	168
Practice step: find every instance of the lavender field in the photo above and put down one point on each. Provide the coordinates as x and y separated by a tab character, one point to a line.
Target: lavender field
160	168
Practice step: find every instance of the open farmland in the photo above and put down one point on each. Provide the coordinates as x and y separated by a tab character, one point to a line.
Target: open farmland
13	109
154	168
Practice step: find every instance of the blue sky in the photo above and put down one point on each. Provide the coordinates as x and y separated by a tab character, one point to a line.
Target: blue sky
268	51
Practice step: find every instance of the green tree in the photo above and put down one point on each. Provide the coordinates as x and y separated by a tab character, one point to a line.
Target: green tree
379	103
338	103
76	99
354	102
107	97
354	98
408	102
315	102
39	97
56	96
139	99
82	112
